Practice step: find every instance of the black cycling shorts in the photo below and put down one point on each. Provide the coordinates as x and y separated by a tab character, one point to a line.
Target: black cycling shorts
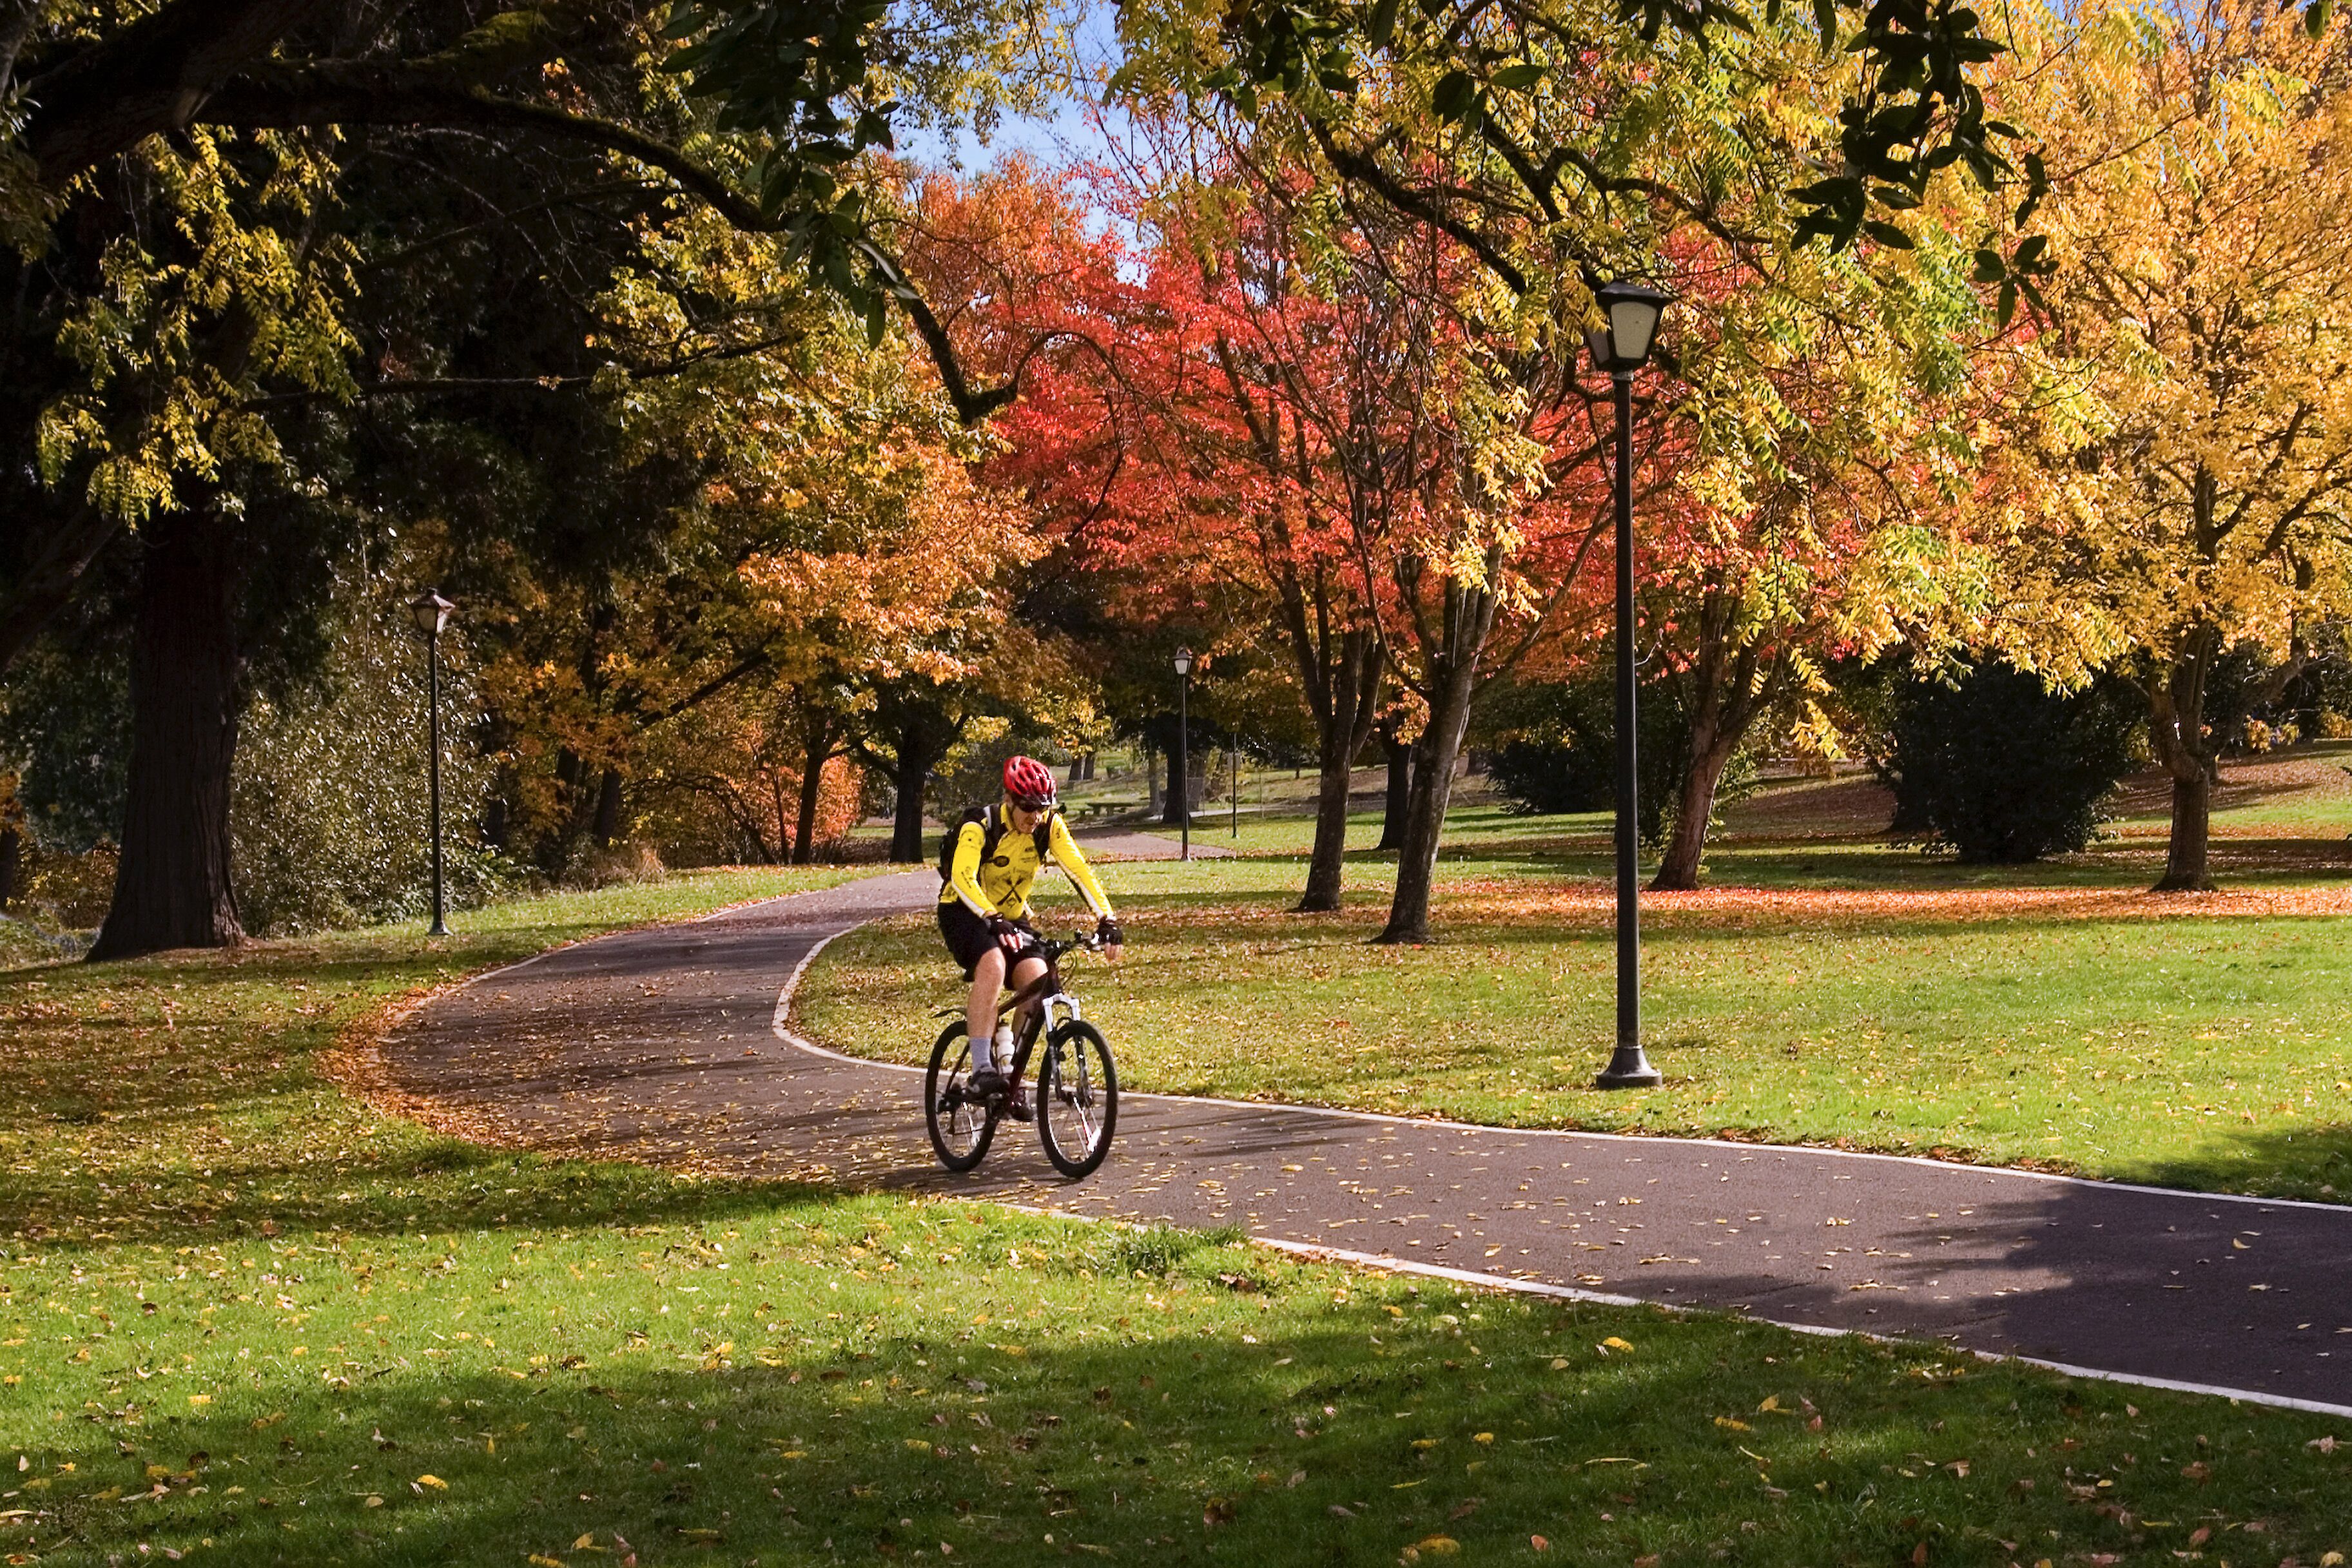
968	936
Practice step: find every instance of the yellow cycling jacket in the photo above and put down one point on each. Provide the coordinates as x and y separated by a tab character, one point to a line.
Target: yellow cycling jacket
1001	885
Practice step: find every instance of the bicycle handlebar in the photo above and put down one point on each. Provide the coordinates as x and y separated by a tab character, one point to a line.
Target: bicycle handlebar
1079	941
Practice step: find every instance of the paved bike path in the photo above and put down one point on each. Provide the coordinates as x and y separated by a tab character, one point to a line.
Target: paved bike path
670	1045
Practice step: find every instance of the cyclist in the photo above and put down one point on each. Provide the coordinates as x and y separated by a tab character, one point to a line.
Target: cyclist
992	859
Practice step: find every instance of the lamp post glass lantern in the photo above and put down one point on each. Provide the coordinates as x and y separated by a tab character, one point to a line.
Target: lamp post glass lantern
430	612
1622	347
1183	779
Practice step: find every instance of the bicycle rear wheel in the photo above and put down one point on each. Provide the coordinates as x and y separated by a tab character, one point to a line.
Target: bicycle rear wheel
961	1125
1077	1098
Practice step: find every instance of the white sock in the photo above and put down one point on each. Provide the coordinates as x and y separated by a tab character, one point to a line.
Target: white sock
979	1057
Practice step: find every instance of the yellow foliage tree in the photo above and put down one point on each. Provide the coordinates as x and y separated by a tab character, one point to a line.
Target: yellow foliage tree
2191	388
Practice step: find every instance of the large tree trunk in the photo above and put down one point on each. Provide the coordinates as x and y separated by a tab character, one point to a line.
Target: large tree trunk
1396	801
172	886
1182	795
921	733
1151	794
11	842
2176	733
1343	723
1678	871
607	826
804	823
906	814
1327	866
2186	866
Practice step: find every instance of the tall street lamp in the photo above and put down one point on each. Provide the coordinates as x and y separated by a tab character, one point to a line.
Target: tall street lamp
1183	779
1622	347
430	613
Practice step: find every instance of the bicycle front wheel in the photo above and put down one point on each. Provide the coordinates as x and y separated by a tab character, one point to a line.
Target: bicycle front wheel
961	1126
1077	1098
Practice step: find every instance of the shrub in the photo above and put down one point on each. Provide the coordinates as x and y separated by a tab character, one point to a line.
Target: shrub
1997	767
330	811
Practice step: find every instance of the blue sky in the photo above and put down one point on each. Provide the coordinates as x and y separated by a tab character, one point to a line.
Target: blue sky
1064	135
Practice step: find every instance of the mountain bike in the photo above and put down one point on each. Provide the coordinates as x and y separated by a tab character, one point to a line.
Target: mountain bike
1077	1084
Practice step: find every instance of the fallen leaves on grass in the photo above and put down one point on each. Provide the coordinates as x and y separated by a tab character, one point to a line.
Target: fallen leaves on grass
1512	900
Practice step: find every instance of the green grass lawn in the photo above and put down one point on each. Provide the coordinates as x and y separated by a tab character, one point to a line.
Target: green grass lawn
243	1320
1856	994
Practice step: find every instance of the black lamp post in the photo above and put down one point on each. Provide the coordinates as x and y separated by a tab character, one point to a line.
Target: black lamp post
430	613
1622	347
1183	779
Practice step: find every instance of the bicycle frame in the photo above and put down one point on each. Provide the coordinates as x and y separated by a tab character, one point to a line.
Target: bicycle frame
1046	998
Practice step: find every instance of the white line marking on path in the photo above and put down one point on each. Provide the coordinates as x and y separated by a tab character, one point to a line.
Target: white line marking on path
1598	1298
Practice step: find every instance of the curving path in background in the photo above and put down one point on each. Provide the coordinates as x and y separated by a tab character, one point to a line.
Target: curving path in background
672	1045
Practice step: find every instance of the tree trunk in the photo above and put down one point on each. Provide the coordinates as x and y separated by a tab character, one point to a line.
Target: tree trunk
1353	682
1678	872
2186	866
824	738
1326	867
1178	794
608	809
11	842
775	779
1451	651
920	733
804	822
2176	733
1425	802
1732	686
906	816
1397	800
172	886
1151	802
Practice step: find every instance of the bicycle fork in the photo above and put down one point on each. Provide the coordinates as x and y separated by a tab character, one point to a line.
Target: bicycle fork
1071	1012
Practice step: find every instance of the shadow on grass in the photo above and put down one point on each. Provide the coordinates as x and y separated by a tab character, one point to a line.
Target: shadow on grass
178	1099
2315	1158
1363	1422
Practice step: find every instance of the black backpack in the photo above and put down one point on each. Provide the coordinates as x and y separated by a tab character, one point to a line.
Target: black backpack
992	830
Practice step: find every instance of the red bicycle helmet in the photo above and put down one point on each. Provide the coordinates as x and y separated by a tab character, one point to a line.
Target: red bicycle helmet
1029	783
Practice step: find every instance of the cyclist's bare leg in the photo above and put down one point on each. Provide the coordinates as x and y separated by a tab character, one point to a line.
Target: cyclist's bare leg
987	986
980	1009
1024	972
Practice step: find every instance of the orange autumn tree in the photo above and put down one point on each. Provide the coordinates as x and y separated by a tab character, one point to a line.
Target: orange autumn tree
1241	468
903	578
